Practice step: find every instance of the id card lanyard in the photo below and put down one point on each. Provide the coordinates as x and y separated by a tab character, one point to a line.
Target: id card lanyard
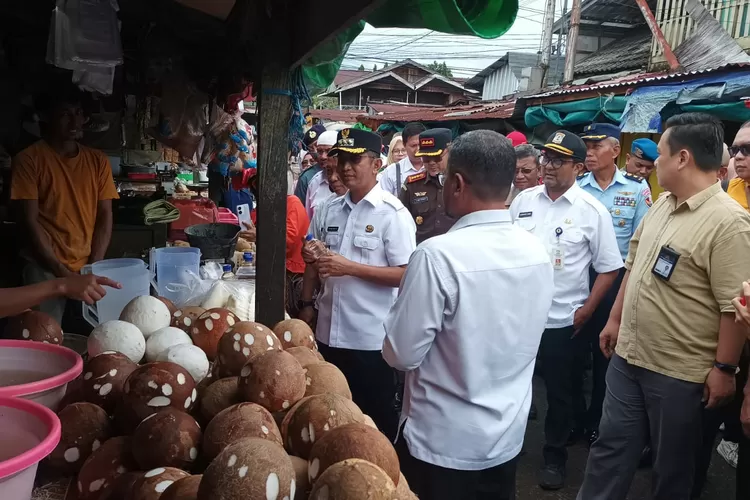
558	256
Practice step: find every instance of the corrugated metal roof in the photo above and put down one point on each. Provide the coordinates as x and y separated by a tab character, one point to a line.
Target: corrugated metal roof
630	80
482	111
631	52
337	115
605	17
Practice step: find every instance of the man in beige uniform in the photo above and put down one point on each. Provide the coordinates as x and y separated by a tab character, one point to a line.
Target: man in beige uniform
672	330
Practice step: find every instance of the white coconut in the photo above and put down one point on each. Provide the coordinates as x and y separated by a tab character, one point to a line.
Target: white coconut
190	357
148	313
118	336
163	339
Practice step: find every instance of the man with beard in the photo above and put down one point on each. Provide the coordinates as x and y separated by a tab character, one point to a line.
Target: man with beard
577	232
422	194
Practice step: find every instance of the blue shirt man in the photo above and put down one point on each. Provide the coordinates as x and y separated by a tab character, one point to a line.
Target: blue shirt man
627	197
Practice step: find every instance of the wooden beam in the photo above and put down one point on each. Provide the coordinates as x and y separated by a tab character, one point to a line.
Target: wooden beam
333	17
274	111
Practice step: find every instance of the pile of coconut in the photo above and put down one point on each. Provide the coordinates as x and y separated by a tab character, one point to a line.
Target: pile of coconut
194	404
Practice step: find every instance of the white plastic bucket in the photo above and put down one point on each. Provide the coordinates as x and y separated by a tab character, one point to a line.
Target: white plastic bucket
172	268
37	371
28	433
135	280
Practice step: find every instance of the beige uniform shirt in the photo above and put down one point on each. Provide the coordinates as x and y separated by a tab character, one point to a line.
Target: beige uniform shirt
672	326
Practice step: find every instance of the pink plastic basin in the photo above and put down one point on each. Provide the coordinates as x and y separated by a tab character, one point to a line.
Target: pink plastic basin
36	371
28	433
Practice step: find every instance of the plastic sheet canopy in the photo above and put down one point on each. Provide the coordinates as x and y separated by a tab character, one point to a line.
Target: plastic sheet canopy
481	18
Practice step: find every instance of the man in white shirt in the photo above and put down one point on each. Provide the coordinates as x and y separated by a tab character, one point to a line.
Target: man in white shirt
577	231
371	237
394	176
317	187
469	358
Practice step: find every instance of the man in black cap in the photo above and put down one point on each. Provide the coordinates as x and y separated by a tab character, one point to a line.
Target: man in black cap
422	194
319	152
370	236
577	232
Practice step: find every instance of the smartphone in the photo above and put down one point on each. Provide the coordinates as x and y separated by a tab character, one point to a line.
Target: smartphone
243	214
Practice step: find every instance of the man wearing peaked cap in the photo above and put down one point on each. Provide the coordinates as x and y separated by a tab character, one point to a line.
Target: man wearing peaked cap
640	161
627	197
422	194
577	232
370	236
319	147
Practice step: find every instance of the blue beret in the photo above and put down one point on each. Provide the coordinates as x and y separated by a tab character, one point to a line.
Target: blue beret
600	131
645	149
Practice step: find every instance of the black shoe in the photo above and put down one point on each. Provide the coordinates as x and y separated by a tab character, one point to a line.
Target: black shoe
532	412
552	477
646	458
592	436
574	436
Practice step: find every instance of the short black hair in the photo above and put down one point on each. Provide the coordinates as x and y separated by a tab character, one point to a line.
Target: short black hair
53	98
488	161
699	133
411	129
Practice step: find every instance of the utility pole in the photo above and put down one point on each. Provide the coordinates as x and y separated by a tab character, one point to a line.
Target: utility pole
549	19
563	31
572	43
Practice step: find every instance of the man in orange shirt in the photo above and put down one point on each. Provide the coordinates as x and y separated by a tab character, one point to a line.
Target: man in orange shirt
64	192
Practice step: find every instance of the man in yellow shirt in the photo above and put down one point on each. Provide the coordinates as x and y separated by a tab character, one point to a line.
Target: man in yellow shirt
739	188
64	193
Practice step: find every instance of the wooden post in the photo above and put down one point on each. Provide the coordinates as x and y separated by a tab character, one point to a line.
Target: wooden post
274	111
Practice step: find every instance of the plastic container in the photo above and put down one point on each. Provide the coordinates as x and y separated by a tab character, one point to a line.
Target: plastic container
29	432
315	246
226	215
174	266
37	371
247	268
135	280
228	275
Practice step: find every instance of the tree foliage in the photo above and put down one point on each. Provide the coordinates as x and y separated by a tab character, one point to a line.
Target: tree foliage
441	69
361	67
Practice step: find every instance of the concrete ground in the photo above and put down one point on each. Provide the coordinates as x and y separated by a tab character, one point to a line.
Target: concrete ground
720	483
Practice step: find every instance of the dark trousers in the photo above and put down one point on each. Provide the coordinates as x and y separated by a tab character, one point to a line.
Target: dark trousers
558	352
641	404
589	418
432	482
743	469
371	381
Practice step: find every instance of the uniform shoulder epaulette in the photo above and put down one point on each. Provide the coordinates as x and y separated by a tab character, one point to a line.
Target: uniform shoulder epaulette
632	177
581	176
416	177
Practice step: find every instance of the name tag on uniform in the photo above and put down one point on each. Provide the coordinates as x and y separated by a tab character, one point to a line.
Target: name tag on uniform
523	215
665	263
420	199
332	229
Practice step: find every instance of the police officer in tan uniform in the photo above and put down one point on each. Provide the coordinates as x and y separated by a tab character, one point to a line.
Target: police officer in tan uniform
422	194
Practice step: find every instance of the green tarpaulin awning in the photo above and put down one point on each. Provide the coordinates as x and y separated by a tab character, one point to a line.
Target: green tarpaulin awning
568	114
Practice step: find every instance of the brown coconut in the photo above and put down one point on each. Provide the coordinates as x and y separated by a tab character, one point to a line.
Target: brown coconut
122	486
295	333
322	378
244	420
305	355
244	342
152	484
36	326
403	491
104	466
85	427
104	377
353	441
316	416
369	421
249	469
183	489
169	438
300	477
353	479
185	318
170	305
209	327
219	396
275	381
153	387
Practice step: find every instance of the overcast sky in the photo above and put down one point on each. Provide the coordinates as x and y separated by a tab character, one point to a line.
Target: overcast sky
465	55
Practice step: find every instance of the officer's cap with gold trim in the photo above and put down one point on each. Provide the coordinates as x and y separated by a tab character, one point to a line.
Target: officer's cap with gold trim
356	141
599	131
312	134
566	143
434	141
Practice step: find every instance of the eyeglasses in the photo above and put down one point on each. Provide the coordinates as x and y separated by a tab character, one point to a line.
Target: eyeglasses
353	159
742	148
399	151
525	171
432	159
555	163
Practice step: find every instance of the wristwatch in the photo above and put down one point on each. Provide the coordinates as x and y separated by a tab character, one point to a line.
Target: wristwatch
727	368
306	303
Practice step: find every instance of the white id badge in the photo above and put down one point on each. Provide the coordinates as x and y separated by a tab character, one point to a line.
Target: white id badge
558	257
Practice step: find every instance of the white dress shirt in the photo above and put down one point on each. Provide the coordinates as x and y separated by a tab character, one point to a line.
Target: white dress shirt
320	211
586	238
317	191
388	180
377	231
466	327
